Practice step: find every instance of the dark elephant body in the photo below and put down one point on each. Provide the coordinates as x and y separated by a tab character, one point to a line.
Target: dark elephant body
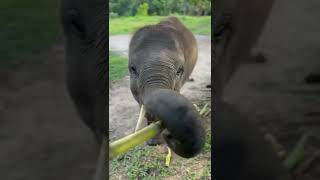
237	26
85	28
161	58
84	23
240	151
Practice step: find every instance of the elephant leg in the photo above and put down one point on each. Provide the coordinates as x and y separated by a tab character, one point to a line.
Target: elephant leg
312	78
83	104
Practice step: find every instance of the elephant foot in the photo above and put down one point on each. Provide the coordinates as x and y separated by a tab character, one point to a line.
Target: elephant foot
312	78
259	58
256	59
154	142
190	79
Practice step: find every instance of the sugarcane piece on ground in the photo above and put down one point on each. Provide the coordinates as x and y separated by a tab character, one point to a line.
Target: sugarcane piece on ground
277	147
204	109
168	157
297	154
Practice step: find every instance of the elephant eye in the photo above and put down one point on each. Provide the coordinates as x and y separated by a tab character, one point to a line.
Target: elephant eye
76	23
133	70
222	25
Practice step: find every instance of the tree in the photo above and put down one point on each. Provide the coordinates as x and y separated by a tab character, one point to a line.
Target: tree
160	7
143	10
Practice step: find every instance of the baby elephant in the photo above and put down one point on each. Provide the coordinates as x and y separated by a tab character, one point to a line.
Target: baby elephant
161	58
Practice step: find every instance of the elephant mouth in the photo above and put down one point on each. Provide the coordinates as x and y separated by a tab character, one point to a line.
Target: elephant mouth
183	132
151	118
145	118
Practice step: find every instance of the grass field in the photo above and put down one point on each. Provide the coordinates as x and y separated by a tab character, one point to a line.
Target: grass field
25	28
124	25
146	162
117	67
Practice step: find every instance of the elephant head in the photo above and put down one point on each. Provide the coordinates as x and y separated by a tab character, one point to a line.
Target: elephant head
161	58
85	28
84	23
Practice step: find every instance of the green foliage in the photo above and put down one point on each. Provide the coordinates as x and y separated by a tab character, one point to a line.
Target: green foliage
207	145
162	7
132	164
124	25
26	27
143	10
147	163
113	15
118	67
207	171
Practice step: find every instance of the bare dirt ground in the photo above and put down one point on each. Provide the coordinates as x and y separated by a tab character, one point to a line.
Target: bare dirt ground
274	94
41	135
124	110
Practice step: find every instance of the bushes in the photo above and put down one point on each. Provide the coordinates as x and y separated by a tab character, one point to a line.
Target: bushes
160	7
113	15
143	10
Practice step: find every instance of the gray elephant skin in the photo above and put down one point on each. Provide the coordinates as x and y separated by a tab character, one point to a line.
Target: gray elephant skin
84	24
161	59
237	26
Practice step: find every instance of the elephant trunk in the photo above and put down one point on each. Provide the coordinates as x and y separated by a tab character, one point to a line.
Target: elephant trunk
156	76
184	133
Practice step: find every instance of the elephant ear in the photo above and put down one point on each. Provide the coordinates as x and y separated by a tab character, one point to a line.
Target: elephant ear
185	133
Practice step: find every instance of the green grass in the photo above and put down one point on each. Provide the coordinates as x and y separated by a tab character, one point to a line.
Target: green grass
124	25
118	67
131	166
25	28
146	162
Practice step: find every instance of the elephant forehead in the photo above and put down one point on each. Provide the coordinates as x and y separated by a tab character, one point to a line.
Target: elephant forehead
155	44
155	56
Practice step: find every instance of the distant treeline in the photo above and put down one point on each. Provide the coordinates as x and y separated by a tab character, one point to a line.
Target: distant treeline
159	7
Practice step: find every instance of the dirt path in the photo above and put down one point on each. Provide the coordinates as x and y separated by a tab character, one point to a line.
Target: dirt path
41	135
124	110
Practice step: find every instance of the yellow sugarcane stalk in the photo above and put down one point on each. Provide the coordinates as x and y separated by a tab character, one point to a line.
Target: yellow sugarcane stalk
122	145
297	154
168	157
